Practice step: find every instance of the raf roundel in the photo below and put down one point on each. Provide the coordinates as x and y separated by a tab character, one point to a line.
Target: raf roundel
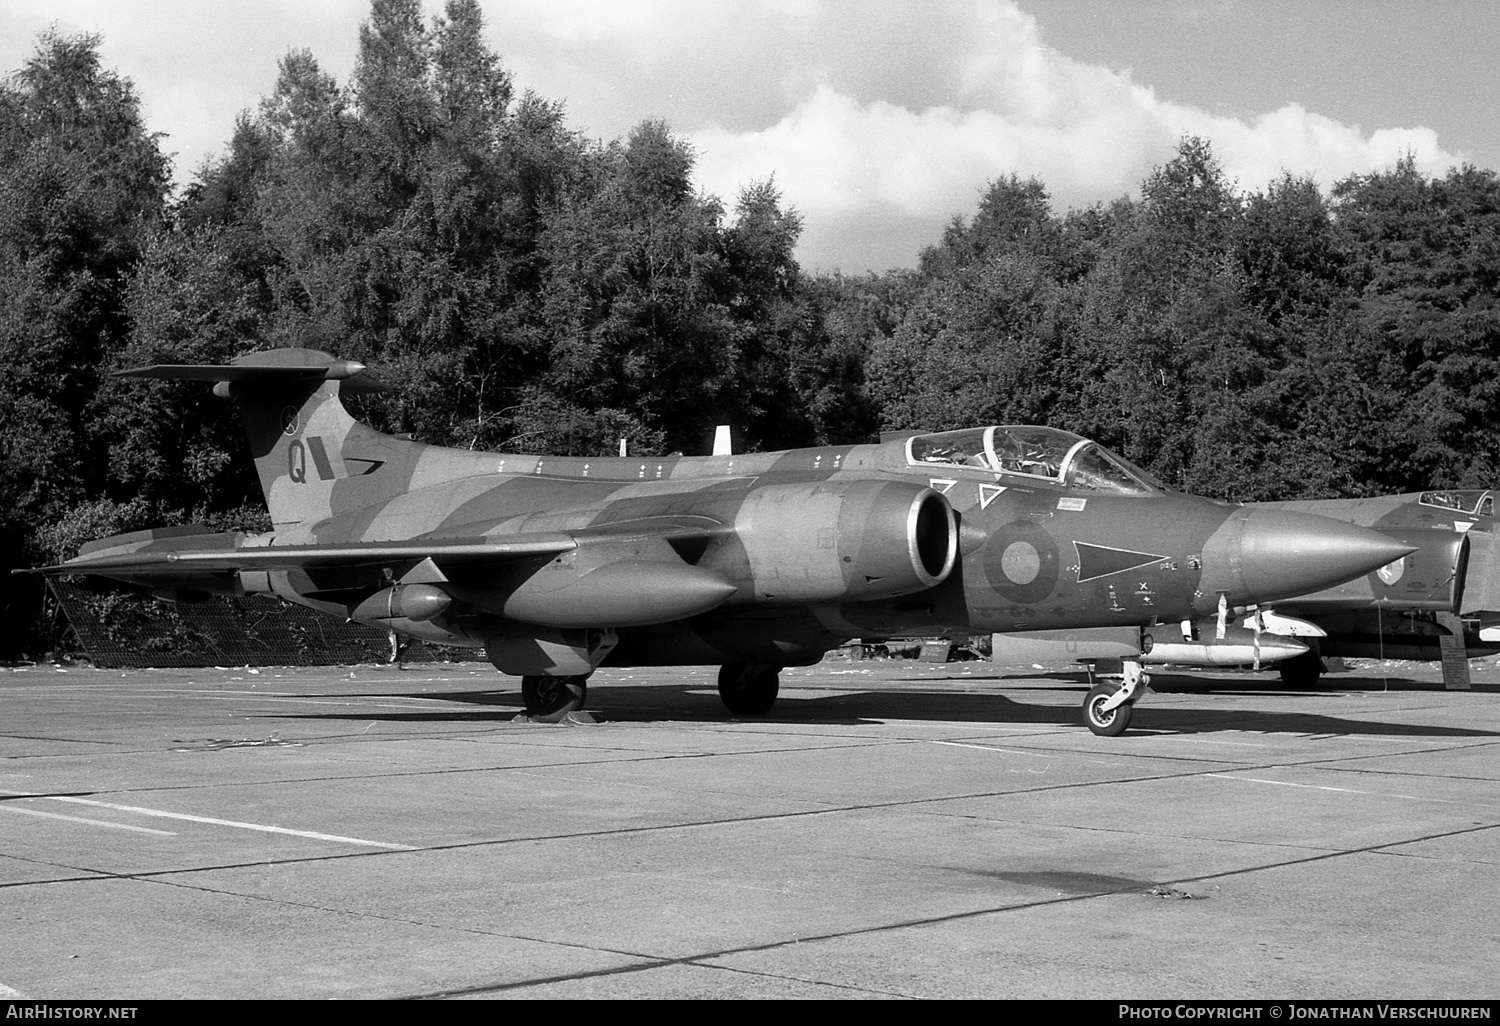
1020	562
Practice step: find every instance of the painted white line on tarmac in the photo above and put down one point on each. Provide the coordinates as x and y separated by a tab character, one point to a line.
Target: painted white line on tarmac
81	819
238	825
1342	790
223	695
218	695
1236	744
992	748
214	821
975	728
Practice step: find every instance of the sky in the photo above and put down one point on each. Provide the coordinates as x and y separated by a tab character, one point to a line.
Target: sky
882	120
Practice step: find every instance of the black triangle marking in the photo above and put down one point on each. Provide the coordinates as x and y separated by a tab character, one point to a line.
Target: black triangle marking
1095	561
374	464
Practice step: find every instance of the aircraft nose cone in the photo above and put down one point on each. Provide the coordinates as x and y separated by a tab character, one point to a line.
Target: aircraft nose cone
1259	555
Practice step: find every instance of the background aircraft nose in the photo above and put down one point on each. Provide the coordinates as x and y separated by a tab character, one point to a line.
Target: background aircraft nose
1258	555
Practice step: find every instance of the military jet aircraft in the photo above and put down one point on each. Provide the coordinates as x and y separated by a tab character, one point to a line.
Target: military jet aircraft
1441	602
553	565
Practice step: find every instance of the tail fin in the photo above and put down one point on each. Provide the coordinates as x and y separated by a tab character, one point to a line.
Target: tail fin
314	459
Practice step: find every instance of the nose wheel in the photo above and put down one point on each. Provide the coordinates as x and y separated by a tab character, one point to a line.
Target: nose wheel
1108	707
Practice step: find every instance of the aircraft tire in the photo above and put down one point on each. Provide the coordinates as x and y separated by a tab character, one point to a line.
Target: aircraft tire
549	699
1106	724
1301	671
749	689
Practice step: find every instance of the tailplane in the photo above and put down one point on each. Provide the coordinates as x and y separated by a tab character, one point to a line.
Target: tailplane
314	459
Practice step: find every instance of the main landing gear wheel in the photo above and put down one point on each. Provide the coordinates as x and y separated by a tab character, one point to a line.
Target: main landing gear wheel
1102	721
549	699
749	689
1301	671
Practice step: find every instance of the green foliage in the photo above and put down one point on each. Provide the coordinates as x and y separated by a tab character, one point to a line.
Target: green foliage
536	291
81	185
1262	346
1423	259
528	288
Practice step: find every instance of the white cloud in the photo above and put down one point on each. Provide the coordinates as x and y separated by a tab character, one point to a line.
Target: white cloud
879	119
195	65
1088	134
643	22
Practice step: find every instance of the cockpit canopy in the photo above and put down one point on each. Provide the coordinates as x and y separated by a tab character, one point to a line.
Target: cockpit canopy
1039	453
1474	502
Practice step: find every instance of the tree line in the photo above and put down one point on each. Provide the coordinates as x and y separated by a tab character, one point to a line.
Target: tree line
535	290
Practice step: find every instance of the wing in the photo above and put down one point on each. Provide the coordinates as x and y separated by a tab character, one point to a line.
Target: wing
152	558
624	574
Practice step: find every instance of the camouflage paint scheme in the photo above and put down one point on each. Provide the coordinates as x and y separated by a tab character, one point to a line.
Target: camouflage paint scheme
757	561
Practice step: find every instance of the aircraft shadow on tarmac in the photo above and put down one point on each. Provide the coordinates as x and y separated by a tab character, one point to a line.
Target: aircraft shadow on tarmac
699	703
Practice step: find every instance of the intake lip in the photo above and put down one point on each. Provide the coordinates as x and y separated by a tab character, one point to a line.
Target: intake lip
1260	555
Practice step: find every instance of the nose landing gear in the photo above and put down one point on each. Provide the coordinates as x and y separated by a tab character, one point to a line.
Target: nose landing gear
1108	707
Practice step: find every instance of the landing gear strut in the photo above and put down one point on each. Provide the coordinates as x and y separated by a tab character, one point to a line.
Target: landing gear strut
1108	707
749	689
549	699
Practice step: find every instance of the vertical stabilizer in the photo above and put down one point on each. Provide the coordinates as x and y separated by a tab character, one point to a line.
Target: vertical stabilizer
314	459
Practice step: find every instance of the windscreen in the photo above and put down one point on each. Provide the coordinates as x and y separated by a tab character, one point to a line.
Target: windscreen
1096	469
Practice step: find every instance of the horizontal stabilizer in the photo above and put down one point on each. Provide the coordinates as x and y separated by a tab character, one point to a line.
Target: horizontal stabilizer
293	367
202	537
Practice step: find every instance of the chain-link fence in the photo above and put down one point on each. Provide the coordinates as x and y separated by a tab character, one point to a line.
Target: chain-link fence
121	628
